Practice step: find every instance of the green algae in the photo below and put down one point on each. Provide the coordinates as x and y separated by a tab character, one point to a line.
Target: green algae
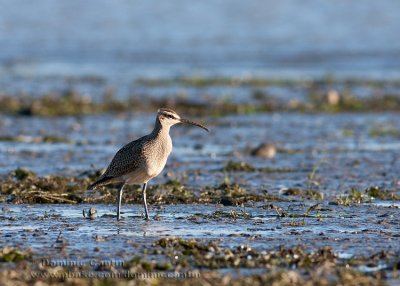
10	254
262	81
384	131
381	194
304	193
233	194
355	197
22	174
220	214
24	186
72	103
37	139
232	166
367	196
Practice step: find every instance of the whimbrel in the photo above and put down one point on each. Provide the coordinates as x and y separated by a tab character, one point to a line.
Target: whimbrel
143	159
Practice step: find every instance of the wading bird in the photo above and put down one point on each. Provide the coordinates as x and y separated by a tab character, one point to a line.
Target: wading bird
143	159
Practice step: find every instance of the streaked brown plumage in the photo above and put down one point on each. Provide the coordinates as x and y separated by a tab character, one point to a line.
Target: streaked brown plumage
143	159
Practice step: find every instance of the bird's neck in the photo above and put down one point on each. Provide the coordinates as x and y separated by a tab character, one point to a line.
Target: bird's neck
160	130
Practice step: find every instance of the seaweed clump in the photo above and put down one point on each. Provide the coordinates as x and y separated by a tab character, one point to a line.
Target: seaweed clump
10	254
24	186
232	166
231	194
358	197
304	193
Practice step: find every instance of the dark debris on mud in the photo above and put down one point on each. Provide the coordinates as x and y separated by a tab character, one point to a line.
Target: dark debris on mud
198	262
24	186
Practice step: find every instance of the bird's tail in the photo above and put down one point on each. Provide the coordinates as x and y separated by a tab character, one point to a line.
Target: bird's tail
100	182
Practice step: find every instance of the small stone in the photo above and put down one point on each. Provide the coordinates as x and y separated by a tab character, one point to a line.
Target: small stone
91	214
264	150
98	238
332	97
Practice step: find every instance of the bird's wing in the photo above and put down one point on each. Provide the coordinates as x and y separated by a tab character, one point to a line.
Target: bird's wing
126	160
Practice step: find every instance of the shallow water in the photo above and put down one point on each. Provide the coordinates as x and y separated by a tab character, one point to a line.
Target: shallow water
107	44
350	231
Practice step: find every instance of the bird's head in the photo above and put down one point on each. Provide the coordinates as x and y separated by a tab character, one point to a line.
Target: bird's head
168	117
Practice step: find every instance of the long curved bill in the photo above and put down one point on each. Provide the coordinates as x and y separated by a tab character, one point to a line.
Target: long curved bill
187	121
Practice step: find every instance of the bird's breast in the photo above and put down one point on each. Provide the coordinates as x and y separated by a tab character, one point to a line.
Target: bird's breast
158	157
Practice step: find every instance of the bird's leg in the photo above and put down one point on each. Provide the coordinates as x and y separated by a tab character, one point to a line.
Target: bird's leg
119	201
144	201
